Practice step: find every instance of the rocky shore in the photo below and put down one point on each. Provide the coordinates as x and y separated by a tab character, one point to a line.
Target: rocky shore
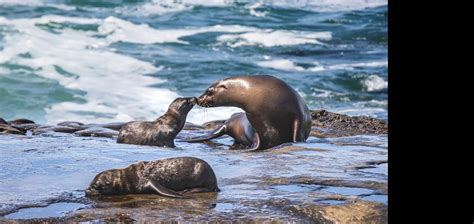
324	124
338	176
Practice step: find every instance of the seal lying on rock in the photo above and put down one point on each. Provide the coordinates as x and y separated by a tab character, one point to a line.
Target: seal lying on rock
168	177
163	130
275	110
14	126
237	127
8	129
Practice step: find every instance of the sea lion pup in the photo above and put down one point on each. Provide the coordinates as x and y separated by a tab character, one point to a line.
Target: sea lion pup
168	177
163	130
237	127
275	110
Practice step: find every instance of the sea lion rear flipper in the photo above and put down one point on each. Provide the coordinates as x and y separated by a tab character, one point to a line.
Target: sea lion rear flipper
164	191
256	144
216	133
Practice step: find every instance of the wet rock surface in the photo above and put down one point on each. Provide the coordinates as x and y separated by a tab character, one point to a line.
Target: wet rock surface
325	180
356	212
328	124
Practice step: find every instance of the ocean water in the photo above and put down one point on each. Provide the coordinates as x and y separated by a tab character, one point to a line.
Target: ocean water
108	61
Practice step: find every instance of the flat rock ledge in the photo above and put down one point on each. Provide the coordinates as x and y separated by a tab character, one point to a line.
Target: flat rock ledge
329	124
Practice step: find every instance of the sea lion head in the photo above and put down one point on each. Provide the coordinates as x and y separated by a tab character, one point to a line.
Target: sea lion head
183	105
105	183
227	92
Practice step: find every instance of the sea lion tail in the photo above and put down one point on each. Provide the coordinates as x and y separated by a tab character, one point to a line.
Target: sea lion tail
215	134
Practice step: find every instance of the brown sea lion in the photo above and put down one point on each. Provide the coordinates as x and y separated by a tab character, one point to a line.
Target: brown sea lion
275	110
163	130
168	177
237	127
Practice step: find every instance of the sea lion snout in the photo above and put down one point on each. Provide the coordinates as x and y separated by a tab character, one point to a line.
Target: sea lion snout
205	100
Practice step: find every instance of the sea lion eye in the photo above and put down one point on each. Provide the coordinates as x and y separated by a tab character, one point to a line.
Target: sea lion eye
210	91
222	86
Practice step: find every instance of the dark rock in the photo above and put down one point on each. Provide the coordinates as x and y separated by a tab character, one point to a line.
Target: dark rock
70	123
21	121
114	126
27	127
328	124
379	187
64	129
42	129
2	121
48	128
8	129
357	212
97	132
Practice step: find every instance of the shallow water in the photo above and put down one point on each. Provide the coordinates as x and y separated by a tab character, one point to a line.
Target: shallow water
40	170
53	210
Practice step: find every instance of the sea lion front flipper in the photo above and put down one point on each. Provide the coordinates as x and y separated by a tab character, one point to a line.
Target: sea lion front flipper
216	133
296	128
164	191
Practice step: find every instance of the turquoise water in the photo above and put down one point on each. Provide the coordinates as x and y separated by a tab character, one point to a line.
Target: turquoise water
127	60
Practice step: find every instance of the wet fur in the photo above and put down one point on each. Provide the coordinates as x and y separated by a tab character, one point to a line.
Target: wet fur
275	110
160	132
167	177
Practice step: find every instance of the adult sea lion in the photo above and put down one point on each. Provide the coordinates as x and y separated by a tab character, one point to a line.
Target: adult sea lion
168	177
237	127
275	110
163	130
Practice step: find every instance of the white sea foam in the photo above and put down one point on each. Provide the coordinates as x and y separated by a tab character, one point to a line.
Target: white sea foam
21	2
322	93
271	38
253	10
281	64
164	6
153	8
350	66
329	5
287	65
373	112
116	86
36	3
160	7
374	83
120	30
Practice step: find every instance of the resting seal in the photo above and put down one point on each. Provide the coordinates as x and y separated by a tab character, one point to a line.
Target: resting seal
163	130
168	177
237	127
275	110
